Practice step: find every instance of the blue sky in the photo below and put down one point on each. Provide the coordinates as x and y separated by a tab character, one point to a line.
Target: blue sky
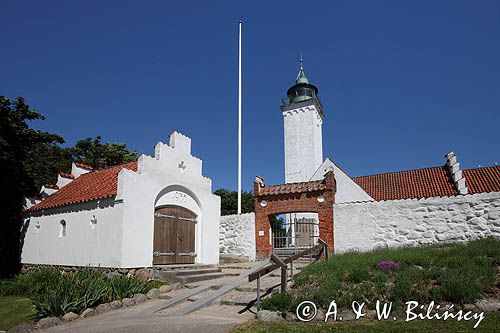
402	83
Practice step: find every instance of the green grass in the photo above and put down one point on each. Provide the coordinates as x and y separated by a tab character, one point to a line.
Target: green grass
456	273
14	310
491	323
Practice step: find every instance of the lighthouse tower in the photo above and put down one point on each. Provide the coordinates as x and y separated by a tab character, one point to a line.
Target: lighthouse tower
303	118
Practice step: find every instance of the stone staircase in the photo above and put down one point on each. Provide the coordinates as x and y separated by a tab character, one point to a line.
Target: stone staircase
232	289
186	274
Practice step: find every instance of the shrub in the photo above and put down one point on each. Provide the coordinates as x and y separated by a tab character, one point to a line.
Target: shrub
388	266
122	286
459	289
54	294
278	302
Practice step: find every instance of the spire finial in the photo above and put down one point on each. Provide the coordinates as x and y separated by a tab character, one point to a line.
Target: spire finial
301	77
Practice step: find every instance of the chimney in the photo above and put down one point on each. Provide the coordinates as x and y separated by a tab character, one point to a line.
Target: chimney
456	173
258	183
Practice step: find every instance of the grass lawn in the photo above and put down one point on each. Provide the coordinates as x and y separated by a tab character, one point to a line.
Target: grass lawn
446	273
14	310
491	323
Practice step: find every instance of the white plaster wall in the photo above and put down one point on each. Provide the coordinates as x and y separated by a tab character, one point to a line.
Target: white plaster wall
85	243
77	171
172	173
365	226
237	235
62	181
347	189
303	143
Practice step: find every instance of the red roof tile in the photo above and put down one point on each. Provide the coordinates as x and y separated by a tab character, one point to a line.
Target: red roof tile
84	166
90	186
410	184
427	183
66	175
485	179
52	186
311	186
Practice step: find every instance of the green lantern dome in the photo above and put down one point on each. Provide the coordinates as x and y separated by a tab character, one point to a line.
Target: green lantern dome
302	90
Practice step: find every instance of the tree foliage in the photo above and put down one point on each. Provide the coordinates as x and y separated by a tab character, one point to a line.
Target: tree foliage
99	155
30	158
229	201
17	142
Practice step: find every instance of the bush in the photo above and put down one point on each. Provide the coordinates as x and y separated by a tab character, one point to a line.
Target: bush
122	287
54	294
278	302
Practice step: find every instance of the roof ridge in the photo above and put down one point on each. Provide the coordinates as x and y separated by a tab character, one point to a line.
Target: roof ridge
295	183
483	167
113	166
400	171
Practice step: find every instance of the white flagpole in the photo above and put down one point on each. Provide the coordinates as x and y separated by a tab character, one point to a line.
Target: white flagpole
239	119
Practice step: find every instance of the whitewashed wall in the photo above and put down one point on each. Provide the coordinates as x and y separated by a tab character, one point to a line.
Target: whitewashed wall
119	232
172	176
93	235
303	143
237	235
364	226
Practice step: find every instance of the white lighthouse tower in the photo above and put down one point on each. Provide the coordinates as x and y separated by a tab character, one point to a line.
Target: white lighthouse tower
303	118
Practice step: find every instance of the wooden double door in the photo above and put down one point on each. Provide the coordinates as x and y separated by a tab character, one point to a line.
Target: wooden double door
174	236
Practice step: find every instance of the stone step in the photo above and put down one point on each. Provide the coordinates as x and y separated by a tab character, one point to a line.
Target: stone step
182	266
171	275
185	279
238	298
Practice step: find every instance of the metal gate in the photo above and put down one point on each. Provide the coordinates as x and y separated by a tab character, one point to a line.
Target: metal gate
295	233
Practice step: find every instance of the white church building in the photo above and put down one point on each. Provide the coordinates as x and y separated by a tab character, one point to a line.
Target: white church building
155	211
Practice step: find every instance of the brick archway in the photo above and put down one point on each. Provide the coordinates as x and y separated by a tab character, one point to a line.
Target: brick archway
311	197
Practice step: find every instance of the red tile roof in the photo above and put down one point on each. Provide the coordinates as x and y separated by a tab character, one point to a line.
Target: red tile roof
52	186
427	183
311	186
410	184
485	179
90	186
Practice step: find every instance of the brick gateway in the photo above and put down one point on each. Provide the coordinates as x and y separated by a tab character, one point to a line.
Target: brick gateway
307	197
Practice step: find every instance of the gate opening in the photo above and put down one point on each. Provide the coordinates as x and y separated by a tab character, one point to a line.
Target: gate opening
294	232
294	216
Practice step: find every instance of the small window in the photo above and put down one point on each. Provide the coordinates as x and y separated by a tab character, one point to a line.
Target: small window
62	229
93	222
37	227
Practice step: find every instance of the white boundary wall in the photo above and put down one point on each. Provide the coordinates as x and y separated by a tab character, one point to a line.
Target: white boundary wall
237	235
368	225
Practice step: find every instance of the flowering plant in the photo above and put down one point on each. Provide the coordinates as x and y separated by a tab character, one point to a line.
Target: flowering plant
389	266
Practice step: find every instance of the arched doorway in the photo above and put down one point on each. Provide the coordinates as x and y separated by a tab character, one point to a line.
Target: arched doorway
313	197
174	236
